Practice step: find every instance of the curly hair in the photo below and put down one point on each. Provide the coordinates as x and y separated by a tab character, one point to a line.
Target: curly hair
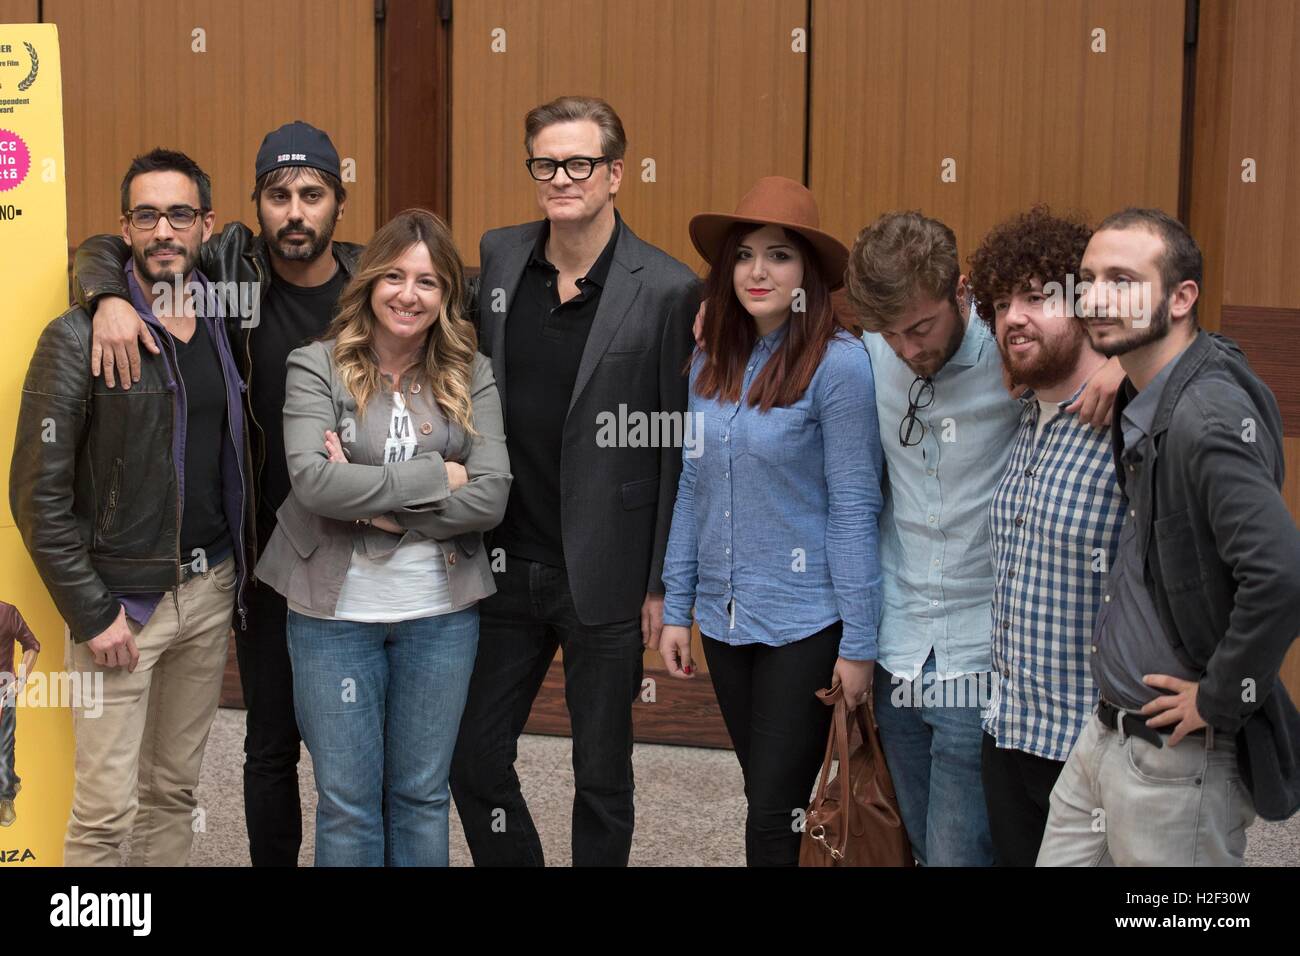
1031	245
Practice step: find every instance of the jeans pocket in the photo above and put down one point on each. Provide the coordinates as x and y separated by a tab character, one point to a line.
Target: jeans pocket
224	576
1183	765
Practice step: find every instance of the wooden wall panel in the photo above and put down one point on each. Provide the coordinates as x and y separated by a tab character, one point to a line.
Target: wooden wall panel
131	82
19	11
1210	166
1263	217
1010	90
708	89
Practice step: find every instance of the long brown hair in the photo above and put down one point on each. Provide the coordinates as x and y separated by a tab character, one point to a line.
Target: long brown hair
730	333
447	364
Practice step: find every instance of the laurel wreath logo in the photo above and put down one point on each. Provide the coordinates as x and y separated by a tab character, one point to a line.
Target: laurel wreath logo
36	63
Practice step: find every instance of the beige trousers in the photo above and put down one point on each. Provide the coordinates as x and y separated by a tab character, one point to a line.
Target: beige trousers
138	761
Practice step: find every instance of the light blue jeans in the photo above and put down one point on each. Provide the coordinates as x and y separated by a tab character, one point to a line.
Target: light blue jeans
931	733
379	708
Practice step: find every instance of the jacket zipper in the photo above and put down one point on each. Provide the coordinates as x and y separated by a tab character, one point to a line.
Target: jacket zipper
242	557
248	391
115	486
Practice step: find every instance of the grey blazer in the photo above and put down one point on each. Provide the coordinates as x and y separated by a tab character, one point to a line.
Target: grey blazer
616	504
308	556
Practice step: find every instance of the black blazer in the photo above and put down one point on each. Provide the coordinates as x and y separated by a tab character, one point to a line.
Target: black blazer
616	502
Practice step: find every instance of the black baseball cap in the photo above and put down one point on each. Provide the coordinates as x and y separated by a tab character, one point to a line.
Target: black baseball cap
297	144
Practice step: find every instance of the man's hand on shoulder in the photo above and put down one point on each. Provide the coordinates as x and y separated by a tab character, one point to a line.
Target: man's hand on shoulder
116	334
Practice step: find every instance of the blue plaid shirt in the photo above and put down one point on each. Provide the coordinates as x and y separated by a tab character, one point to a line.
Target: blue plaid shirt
1054	525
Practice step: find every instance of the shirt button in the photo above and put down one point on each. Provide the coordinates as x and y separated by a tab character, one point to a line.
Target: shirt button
1019	521
750	369
931	519
728	551
1131	469
426	428
1094	648
1106	598
934	603
726	474
726	514
1132	513
936	562
1010	574
1029	472
1006	625
929	471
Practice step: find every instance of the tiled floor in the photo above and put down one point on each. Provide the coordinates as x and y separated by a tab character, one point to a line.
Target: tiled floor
689	803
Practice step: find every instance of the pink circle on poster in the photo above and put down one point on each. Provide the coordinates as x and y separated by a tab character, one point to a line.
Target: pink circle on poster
15	160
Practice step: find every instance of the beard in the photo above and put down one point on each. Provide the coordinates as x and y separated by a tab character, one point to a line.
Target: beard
1051	364
309	251
929	364
1136	338
182	267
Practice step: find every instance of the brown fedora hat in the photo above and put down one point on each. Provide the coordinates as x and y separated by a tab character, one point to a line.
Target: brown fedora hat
775	201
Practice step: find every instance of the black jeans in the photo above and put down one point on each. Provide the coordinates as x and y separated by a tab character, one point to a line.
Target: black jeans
1017	788
272	808
779	729
520	628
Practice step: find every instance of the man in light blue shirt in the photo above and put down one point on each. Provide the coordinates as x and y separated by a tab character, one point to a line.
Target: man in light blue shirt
947	425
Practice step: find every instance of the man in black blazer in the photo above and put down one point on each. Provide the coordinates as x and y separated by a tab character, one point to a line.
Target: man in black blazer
588	329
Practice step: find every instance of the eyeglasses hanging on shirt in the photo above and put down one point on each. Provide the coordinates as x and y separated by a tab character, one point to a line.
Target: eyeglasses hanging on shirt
919	395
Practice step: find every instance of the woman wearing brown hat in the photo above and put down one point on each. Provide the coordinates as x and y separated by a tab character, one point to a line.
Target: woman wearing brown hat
774	532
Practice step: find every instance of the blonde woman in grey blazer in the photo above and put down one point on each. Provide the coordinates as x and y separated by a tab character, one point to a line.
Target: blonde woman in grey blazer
393	437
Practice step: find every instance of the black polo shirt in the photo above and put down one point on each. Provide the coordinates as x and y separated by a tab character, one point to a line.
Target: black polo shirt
544	343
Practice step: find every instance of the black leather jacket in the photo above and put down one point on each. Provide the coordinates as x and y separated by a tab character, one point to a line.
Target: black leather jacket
1223	556
234	254
93	486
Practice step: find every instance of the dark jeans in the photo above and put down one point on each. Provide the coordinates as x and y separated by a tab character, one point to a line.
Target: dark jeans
1017	786
779	729
520	628
272	808
9	780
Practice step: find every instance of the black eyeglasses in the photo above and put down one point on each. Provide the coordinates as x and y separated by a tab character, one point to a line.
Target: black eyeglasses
919	395
575	167
178	217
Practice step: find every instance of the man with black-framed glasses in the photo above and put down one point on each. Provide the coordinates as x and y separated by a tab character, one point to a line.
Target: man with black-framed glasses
290	273
133	506
581	319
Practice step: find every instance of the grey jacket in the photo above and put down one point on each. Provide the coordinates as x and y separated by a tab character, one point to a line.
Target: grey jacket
616	504
1222	556
307	558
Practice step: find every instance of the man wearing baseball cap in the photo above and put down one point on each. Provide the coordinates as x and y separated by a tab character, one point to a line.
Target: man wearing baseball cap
288	278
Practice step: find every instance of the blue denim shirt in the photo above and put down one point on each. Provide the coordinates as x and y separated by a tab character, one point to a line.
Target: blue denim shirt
774	531
934	531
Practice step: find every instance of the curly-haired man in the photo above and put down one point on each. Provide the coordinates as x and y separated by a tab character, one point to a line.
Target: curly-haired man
1054	525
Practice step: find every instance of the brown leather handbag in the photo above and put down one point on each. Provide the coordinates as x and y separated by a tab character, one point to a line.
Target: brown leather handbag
854	819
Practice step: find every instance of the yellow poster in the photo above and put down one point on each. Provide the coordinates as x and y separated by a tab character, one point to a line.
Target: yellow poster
36	732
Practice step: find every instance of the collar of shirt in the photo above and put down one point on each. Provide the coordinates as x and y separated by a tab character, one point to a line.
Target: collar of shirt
599	270
1031	396
1140	412
972	344
143	306
772	341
